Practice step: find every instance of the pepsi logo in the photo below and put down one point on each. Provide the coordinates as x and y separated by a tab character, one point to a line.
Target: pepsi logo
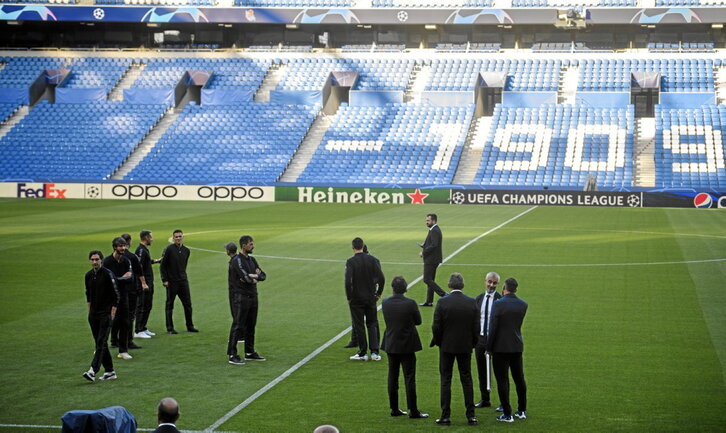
702	200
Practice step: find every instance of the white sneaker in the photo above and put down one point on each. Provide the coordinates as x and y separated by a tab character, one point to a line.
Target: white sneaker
124	355
149	333
358	357
89	375
375	357
142	335
109	375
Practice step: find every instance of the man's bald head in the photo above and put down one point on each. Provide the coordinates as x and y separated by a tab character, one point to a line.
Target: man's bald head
168	410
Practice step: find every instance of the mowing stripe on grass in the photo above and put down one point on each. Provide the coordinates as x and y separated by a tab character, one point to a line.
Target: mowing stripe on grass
56	427
328	343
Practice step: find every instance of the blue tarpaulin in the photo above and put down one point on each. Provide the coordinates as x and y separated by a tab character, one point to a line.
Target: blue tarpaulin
114	419
77	96
17	96
686	100
375	98
296	97
226	96
528	99
149	96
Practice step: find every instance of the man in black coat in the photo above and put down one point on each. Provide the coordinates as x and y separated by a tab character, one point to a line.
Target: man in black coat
102	297
167	414
483	362
432	257
120	266
401	342
244	274
506	344
174	277
455	330
364	282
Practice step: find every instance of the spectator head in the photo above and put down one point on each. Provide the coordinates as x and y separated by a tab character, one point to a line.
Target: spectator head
168	411
399	285
511	285
456	281
358	244
231	248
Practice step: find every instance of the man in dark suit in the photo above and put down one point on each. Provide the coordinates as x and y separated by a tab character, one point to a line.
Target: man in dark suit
484	303
173	269
431	254
364	283
167	414
506	344
455	330
401	342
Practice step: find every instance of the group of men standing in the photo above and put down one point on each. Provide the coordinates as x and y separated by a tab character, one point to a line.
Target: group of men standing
120	291
489	325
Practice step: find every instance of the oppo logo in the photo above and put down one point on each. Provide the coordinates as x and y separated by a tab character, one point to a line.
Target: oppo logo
230	193
144	192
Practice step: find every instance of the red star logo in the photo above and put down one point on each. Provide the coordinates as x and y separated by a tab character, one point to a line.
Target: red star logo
417	197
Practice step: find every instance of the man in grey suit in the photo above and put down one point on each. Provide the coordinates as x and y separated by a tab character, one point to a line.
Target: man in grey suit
401	342
506	344
432	258
483	361
455	330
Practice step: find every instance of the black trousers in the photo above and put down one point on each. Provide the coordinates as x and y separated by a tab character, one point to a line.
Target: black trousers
181	289
244	310
100	328
369	314
120	328
429	278
483	368
503	362
407	362
143	307
134	296
446	370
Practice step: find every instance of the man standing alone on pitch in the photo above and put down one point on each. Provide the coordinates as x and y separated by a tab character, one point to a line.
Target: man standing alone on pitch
506	344
102	297
401	342
364	282
144	307
431	254
244	274
483	361
455	330
174	277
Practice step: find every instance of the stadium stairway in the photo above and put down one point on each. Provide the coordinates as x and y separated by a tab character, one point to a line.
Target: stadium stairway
567	90
13	120
270	81
719	75
148	143
419	77
644	153
473	149
307	148
126	81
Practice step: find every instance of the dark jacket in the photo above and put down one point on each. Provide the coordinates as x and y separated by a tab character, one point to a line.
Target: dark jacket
136	268
239	269
402	316
505	332
166	429
480	301
142	252
174	263
432	246
364	279
456	323
101	290
118	268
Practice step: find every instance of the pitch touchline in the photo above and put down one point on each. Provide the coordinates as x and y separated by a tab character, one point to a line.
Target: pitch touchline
327	344
535	265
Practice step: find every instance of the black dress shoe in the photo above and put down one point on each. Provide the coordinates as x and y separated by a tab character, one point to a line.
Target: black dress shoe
172	331
472	420
443	421
350	345
398	412
134	346
418	415
482	404
192	330
427	304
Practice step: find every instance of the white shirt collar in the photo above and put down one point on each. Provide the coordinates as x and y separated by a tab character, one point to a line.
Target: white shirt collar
432	227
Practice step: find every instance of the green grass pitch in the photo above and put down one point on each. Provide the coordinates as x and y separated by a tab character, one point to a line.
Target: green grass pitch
626	330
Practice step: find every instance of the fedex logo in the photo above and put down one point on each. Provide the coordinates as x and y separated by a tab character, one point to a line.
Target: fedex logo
47	191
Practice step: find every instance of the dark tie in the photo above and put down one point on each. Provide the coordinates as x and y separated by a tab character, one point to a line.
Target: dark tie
486	315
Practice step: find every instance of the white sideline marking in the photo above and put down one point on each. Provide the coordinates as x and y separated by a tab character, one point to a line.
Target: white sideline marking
327	344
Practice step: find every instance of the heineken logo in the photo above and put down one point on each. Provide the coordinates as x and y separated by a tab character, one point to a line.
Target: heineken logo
309	194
